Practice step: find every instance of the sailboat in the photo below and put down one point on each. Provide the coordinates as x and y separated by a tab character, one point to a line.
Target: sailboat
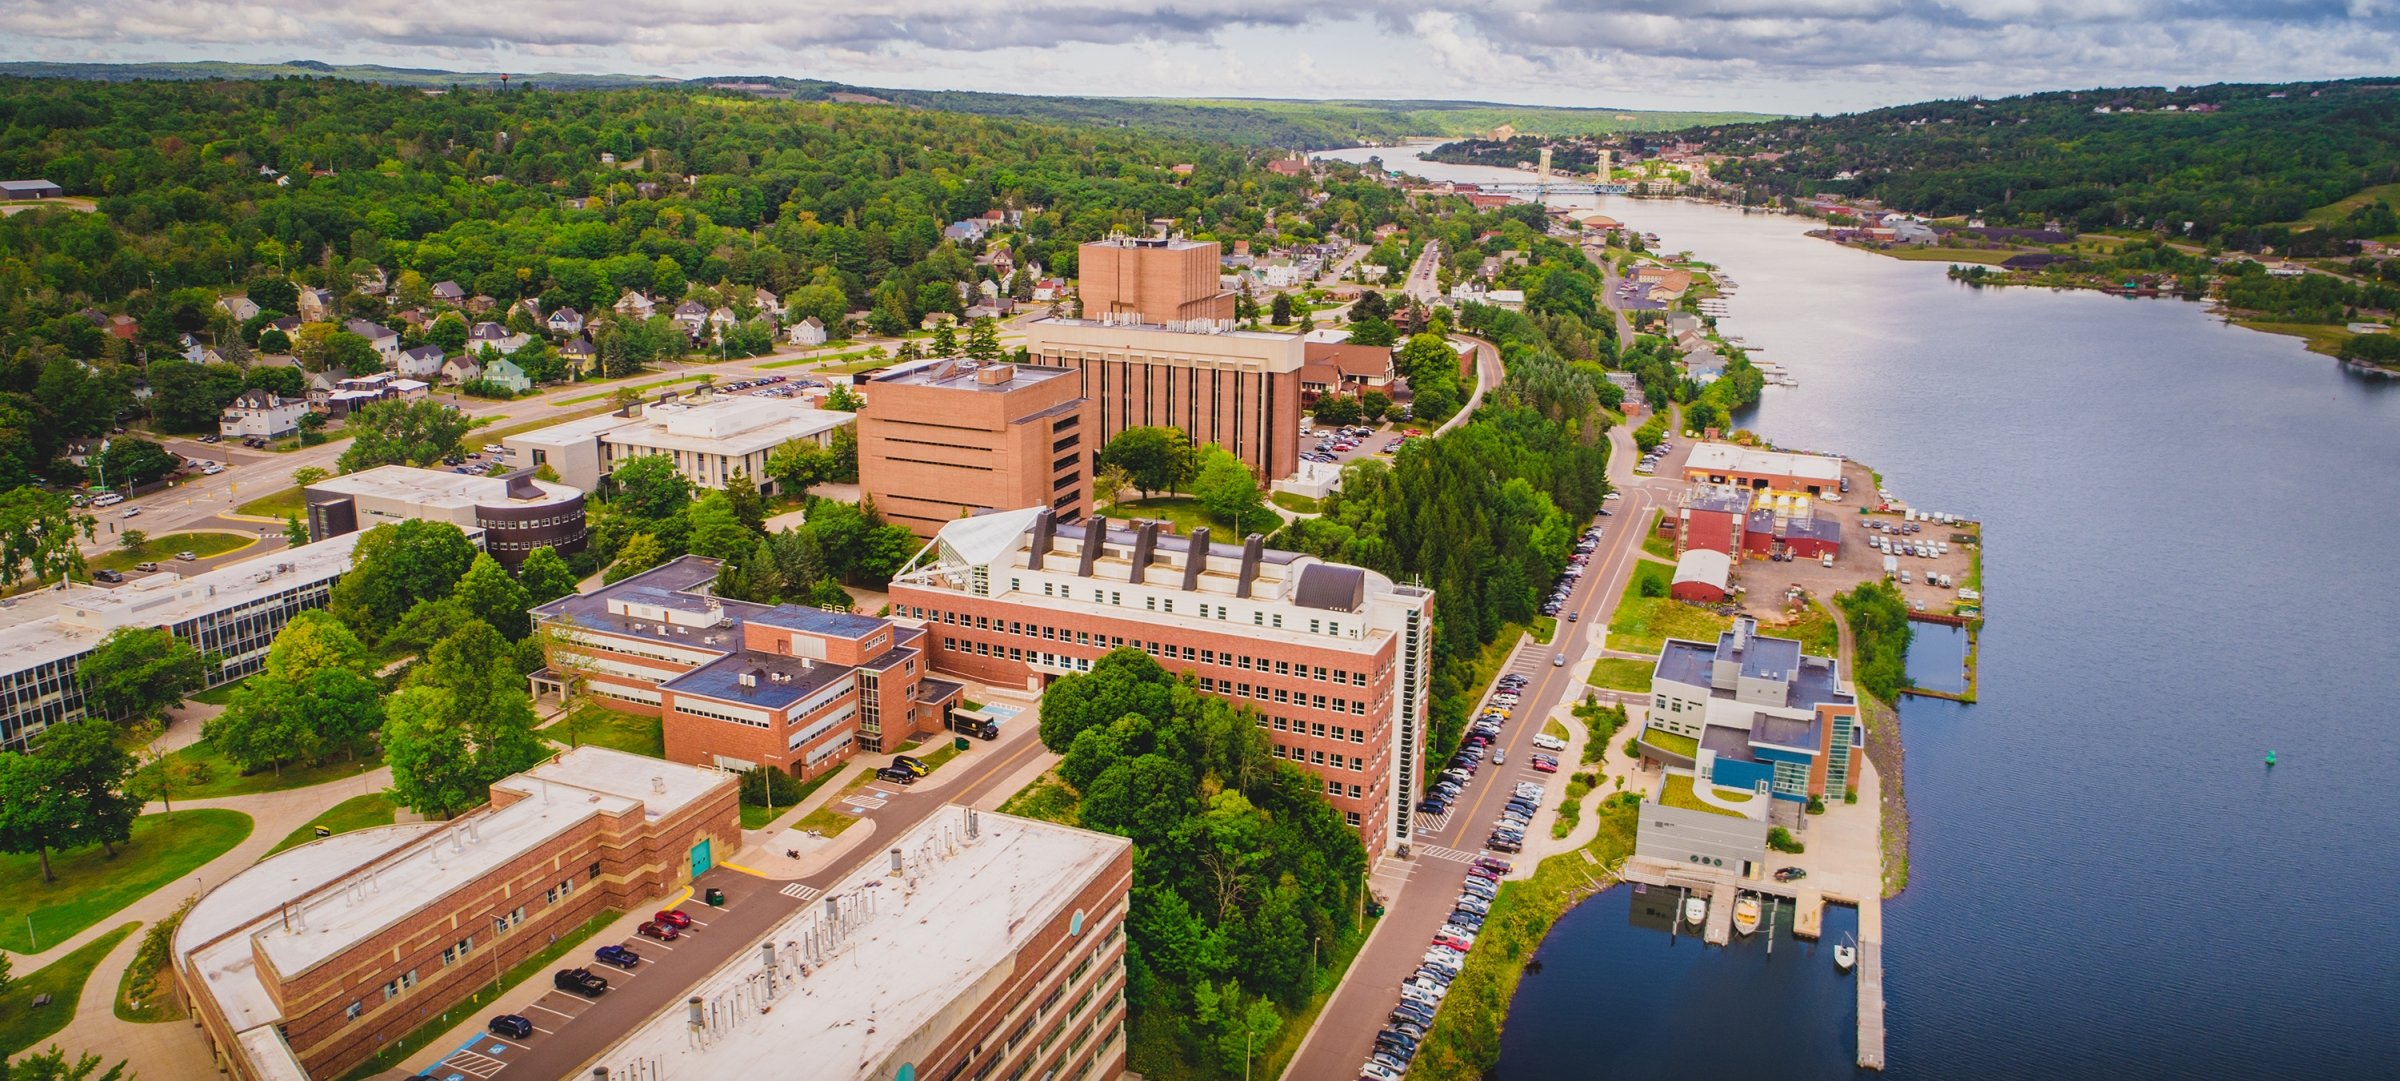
1745	914
1695	911
1845	955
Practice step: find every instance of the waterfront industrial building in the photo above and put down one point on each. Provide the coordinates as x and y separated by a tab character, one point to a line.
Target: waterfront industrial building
709	437
738	685
1334	658
306	963
978	945
516	512
231	614
940	440
1763	470
1739	521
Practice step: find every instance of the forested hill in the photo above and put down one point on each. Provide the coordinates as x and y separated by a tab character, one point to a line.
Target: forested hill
2230	159
1289	124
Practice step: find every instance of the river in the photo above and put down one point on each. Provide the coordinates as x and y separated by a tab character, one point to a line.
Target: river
2105	881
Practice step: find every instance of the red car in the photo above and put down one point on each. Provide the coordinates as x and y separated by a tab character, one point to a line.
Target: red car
1540	766
672	918
1456	944
660	931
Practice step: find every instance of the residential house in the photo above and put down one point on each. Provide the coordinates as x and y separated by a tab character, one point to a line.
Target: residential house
809	331
497	336
693	315
316	305
506	375
634	305
1049	289
261	413
721	318
289	325
481	305
372	283
422	362
239	307
385	340
415	317
566	322
767	303
124	326
1508	299
320	387
448	292
982	311
578	352
460	369
30	189
532	307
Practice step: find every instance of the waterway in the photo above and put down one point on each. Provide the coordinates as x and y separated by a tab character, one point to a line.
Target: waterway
2183	572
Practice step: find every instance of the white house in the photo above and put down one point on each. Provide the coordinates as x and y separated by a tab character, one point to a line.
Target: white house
809	331
636	306
383	338
261	413
460	369
422	362
566	322
692	315
239	307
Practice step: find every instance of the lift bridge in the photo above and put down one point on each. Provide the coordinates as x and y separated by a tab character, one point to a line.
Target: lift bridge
1539	188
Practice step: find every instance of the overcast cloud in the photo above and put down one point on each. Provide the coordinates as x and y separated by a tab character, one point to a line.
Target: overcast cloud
1773	55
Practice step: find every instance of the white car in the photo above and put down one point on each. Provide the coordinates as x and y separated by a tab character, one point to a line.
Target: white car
1612	497
1377	1071
1530	790
1549	742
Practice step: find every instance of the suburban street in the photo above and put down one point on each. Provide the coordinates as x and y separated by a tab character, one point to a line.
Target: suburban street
1424	277
1418	892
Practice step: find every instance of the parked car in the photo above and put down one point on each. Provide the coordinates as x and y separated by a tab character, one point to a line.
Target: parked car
672	918
513	1026
186	555
582	981
895	774
107	576
664	932
617	955
131	512
145	566
912	764
1790	874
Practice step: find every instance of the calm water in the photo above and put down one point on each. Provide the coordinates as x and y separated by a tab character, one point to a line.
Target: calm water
2183	573
1937	657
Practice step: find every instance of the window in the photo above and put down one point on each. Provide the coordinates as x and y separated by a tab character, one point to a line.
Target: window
457	952
1283	668
1317	729
356	1008
592	872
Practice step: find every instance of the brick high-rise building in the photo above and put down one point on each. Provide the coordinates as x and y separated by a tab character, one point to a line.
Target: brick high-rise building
1163	281
944	439
1335	659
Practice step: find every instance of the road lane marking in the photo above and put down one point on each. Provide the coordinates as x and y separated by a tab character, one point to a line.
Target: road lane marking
799	892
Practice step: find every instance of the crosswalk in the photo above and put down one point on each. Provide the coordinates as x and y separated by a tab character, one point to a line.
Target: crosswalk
1432	823
1440	852
798	892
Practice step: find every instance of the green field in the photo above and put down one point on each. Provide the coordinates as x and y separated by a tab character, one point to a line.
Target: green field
1297	504
2335	211
1184	513
1914	254
226	779
2325	338
1622	673
1643	624
1048	799
355	813
612	391
22	1025
163	549
288	503
603	727
35	915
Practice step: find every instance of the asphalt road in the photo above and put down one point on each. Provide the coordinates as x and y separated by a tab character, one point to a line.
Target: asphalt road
1430	878
571	1031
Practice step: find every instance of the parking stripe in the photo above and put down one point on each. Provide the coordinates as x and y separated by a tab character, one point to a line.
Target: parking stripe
546	1009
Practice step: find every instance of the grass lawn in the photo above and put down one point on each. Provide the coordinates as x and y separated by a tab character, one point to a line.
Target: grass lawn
400	1049
1622	673
601	726
226	779
1465	1040
1643	624
1048	799
830	819
944	753
1658	547
1296	503
836	358
1671	742
21	1025
1677	792
1815	630
1183	512
91	886
288	503
1554	730
162	549
758	817
2332	213
1987	256
692	377
218	696
355	813
2326	338
1545	629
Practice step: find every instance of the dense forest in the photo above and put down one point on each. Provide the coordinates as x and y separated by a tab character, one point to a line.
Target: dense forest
2232	161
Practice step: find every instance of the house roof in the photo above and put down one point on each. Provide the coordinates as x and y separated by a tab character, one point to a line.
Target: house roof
1319	375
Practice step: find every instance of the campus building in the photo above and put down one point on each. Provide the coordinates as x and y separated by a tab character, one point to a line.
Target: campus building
947	438
1752	712
231	614
306	963
978	945
1334	658
738	685
709	437
516	512
1763	470
1156	346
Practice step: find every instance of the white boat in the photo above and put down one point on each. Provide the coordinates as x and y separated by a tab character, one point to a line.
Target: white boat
1695	911
1745	914
1845	955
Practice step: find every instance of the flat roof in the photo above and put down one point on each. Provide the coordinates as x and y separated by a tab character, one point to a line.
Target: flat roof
579	430
818	621
1160	328
778	681
725	425
442	488
957	373
916	944
1733	458
53	624
1685	662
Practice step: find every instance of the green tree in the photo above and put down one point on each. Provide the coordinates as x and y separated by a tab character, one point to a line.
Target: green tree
191	397
545	576
844	398
463	722
1336	409
1280	310
748	505
90	769
1372	405
649	487
845	454
354	354
132	540
36	814
945	339
490	595
432	756
1158	459
716	530
131	462
421	432
1373	330
309	474
140	672
395	566
640	553
295	533
798	466
53	1065
983	341
448	331
667	279
1227	489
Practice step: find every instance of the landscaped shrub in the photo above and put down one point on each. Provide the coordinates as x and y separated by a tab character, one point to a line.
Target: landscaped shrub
1781	840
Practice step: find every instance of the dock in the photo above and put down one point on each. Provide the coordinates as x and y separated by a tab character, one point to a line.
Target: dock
1720	913
1870	984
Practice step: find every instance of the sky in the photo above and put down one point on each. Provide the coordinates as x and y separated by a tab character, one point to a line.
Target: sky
1793	56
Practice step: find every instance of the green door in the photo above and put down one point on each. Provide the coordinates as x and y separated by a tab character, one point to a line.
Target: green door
701	860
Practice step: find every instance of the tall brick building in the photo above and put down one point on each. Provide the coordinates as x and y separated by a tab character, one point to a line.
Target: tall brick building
1335	659
1156	346
947	438
738	685
307	962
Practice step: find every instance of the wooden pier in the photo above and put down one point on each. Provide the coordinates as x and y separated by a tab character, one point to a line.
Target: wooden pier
1870	984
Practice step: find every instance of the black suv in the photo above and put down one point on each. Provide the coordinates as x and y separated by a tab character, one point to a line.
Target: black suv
582	981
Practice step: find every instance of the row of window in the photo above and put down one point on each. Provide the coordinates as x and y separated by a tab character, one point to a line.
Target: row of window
1240	661
458	951
1283	696
1304	756
1313	728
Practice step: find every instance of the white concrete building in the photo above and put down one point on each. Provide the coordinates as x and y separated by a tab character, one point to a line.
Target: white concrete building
261	413
708	437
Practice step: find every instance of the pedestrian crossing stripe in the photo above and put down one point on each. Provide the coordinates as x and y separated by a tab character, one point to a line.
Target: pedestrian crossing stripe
1434	823
798	892
1440	852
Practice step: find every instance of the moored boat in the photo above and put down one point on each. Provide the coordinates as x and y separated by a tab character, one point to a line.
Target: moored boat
1745	914
1695	911
1845	955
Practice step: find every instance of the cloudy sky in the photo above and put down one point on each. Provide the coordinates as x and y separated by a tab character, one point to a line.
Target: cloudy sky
1775	55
